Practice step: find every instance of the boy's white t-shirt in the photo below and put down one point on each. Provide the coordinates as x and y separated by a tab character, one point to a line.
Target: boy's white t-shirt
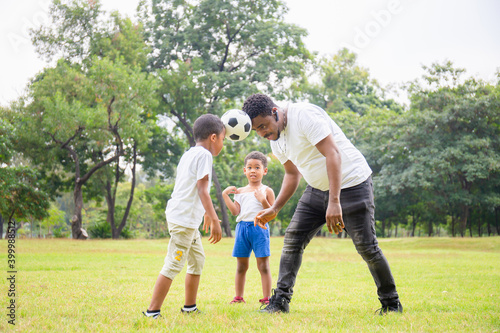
308	124
184	207
249	205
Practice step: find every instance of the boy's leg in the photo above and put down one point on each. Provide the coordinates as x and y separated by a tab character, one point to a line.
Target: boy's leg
241	251
241	271
195	263
178	249
265	275
160	291
192	282
261	246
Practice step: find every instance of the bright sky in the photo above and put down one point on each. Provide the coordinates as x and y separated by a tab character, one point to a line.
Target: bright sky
393	38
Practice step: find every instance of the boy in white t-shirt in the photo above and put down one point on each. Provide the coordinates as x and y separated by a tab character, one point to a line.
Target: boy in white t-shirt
190	202
248	201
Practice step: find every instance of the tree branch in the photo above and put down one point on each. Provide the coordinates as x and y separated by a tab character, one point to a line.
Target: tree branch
110	110
120	151
226	52
187	129
72	152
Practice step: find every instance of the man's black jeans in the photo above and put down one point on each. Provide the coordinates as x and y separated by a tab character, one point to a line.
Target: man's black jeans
358	211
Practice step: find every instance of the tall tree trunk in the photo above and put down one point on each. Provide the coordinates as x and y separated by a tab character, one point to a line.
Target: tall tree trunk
488	226
497	224
453	222
225	217
118	231
470	221
76	221
479	222
414	225
463	220
110	201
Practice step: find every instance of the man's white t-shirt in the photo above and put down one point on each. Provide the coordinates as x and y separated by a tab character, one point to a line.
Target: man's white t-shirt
184	207
308	124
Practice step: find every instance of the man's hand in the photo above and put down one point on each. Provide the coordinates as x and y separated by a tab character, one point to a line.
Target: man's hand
334	218
264	216
215	232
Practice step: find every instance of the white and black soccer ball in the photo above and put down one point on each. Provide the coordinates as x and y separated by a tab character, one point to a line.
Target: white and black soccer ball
238	124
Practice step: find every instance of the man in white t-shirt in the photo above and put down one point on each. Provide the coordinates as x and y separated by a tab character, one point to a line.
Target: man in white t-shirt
339	193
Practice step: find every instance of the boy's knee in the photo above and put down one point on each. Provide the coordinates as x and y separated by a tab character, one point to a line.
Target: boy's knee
195	266
171	270
263	267
241	268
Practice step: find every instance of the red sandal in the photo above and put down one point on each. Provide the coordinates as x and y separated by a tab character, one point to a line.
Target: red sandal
237	299
264	300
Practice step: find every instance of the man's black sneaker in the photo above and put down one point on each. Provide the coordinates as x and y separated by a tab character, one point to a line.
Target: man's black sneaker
393	307
276	304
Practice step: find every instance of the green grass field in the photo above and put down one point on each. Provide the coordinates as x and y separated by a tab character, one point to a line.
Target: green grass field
445	285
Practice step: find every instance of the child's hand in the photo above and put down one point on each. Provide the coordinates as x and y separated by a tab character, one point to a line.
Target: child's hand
206	223
230	190
259	195
216	232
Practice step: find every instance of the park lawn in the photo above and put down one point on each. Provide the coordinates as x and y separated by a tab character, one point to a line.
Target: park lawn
445	285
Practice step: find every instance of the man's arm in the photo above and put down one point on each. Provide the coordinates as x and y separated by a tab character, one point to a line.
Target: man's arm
288	187
270	197
328	148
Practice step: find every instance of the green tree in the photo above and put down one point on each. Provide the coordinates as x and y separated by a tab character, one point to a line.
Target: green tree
94	108
21	196
448	144
210	53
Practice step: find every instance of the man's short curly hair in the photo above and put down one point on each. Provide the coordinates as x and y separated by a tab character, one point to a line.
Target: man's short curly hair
259	104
